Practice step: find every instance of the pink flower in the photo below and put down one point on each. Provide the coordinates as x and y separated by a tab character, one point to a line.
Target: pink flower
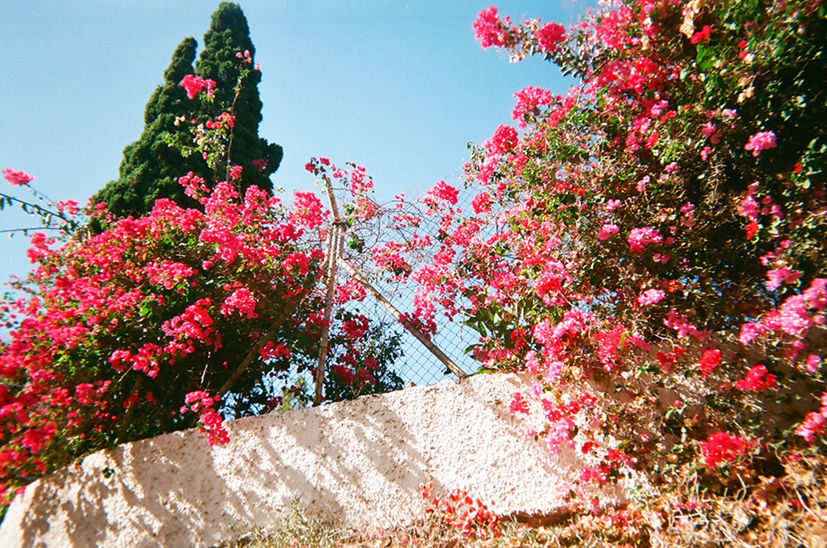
816	294
701	35
36	439
650	296
641	185
708	129
299	260
813	363
194	185
481	203
518	404
749	208
723	447
559	433
756	379
504	140
705	153
444	191
749	331
762	140
17	178
235	172
640	237
553	371
309	211
780	275
794	318
195	84
813	424
611	205
240	300
273	351
709	361
549	35
751	229
607	231
489	29
529	99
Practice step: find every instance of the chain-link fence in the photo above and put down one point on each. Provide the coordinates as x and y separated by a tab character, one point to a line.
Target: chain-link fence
396	227
374	259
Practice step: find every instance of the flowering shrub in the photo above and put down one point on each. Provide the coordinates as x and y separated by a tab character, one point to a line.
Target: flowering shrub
660	226
139	326
125	326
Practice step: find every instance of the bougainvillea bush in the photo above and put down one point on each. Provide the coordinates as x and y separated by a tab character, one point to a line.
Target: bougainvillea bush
129	328
141	328
660	227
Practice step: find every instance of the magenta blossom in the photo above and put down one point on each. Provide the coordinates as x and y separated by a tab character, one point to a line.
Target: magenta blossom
489	29
195	84
722	447
650	296
606	231
17	178
549	36
762	140
640	237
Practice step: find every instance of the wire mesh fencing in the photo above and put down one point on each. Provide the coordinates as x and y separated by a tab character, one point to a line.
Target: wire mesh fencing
373	258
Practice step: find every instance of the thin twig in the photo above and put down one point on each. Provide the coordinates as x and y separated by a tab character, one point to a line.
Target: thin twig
248	359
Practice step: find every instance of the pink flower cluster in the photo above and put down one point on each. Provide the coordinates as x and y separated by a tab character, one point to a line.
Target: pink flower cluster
814	421
762	140
781	275
722	447
709	361
795	315
529	100
442	191
549	36
196	84
210	421
607	231
489	30
242	301
518	404
17	178
503	140
650	296
641	237
757	379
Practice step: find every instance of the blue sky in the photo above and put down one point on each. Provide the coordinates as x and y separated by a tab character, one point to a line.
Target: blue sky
399	87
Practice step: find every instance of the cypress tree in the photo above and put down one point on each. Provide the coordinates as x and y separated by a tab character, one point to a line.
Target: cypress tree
227	36
151	167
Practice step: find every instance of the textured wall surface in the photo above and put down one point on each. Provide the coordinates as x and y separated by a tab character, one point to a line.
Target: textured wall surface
354	463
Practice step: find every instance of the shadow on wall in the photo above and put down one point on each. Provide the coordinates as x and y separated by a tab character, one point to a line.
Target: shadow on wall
357	463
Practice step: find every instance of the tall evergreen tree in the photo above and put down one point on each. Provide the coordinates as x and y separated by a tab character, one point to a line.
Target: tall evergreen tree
227	36
151	167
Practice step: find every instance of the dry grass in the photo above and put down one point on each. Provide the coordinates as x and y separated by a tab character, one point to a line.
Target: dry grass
789	509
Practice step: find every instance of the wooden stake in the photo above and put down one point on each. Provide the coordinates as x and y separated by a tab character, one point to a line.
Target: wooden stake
333	252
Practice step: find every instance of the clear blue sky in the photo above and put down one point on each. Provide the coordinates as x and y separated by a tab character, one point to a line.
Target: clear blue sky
399	87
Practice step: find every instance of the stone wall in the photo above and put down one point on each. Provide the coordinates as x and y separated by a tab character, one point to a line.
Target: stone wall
356	463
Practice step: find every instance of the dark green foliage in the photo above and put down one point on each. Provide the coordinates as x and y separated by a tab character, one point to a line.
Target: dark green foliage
151	168
228	35
355	367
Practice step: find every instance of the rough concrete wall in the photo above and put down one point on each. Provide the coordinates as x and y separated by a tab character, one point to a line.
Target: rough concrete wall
355	463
